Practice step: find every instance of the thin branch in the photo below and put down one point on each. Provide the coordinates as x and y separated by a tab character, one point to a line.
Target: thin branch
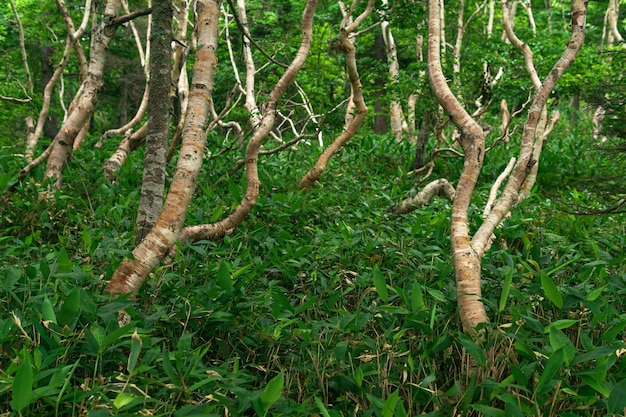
252	41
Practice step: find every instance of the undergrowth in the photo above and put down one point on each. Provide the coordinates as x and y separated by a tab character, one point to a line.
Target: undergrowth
319	304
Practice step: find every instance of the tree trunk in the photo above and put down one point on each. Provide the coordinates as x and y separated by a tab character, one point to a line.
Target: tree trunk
85	100
218	230
159	103
465	258
380	118
346	46
132	272
422	140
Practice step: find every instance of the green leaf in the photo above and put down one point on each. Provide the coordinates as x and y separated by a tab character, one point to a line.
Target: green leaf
506	287
123	399
22	393
389	407
272	391
558	340
593	295
380	284
321	407
551	369
417	298
616	403
70	308
135	348
475	351
47	311
65	265
551	290
223	277
168	368
560	324
489	411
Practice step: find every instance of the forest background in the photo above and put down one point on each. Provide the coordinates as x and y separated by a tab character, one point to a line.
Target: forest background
313	153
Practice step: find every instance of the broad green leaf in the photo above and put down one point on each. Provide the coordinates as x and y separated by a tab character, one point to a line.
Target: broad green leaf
506	287
168	368
47	311
45	269
551	290
223	277
599	385
117	334
65	265
340	350
560	324
273	390
476	352
417	298
553	365
616	403
22	393
611	333
380	284
70	307
558	340
389	407
123	399
593	295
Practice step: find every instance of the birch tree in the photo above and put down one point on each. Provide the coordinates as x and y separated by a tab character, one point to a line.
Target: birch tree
345	44
468	250
132	272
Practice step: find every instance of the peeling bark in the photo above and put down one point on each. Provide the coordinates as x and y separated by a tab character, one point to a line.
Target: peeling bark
218	230
131	273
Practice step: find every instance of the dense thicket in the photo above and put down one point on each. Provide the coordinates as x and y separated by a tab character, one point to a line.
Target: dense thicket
326	302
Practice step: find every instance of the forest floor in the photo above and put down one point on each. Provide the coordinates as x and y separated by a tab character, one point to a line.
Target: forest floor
319	304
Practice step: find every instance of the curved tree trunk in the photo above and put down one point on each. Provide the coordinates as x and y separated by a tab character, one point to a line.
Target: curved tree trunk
85	101
466	259
525	160
218	230
346	46
132	272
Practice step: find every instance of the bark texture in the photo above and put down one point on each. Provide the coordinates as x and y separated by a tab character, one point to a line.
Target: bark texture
132	272
220	229
525	160
84	103
153	184
466	259
440	187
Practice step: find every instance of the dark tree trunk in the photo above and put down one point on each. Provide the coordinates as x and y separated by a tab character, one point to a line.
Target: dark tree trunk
51	126
422	140
380	115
